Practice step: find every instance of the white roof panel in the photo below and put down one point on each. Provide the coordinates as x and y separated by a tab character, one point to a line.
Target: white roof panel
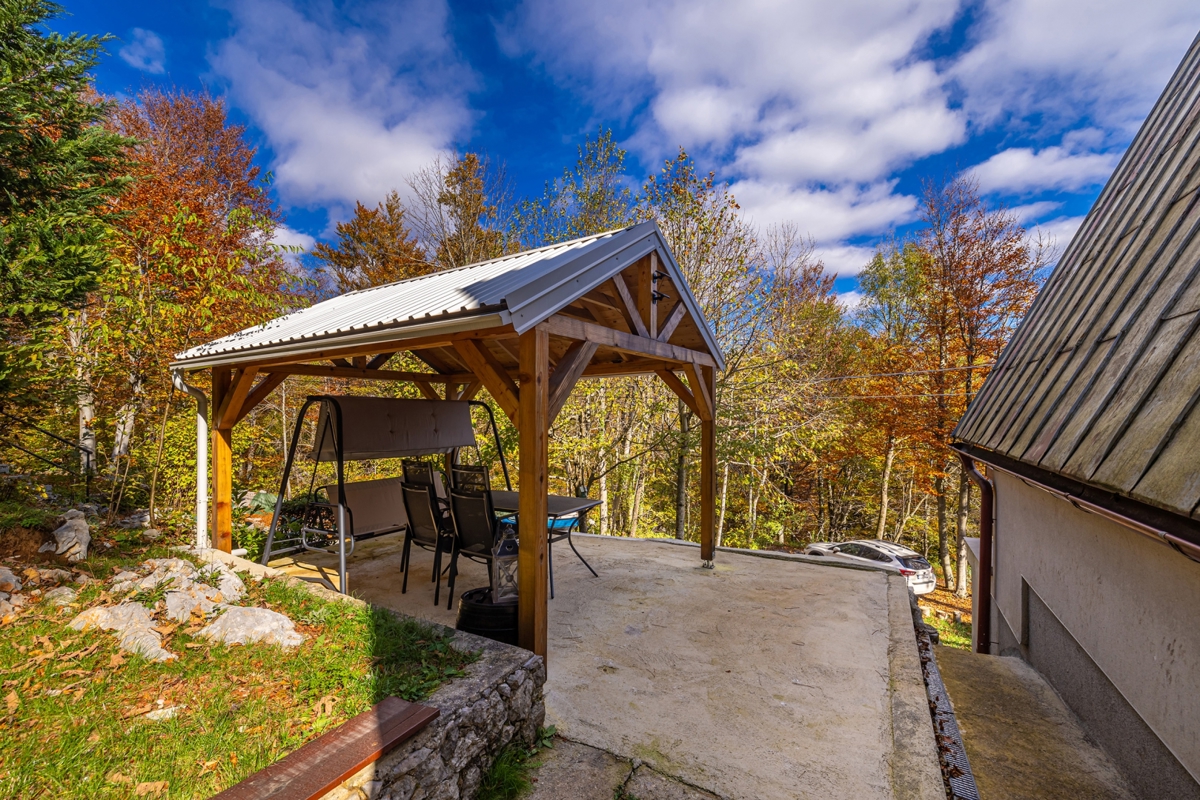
521	289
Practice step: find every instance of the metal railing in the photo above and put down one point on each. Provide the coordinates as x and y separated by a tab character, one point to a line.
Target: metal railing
85	457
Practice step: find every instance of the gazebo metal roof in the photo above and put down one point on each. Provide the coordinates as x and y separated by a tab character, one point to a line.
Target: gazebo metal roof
520	290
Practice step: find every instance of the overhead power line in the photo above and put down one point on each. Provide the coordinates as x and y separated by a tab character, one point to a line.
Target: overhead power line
884	396
901	374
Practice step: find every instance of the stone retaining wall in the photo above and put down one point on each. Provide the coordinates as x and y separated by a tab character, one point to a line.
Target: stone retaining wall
498	701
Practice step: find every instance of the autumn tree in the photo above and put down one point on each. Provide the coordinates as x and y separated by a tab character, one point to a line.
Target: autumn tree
589	198
374	247
460	210
982	272
191	258
60	170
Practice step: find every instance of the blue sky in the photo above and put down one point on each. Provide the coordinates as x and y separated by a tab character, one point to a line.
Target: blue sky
823	114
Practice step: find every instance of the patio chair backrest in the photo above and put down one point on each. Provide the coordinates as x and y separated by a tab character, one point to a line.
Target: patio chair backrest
474	521
419	503
469	479
377	506
422	473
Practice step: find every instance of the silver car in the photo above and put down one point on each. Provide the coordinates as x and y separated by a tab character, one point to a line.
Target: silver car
889	555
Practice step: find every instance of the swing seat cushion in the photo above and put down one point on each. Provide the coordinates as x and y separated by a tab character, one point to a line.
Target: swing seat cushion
375	506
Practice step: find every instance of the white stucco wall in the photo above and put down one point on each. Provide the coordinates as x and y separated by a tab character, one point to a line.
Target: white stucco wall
1131	603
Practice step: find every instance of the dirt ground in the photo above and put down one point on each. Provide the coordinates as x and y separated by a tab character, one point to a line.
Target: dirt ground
23	543
942	600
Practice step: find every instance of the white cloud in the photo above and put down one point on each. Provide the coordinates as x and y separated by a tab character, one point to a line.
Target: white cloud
1065	60
1023	170
845	260
828	215
1058	232
810	105
849	300
290	237
351	104
145	51
1032	211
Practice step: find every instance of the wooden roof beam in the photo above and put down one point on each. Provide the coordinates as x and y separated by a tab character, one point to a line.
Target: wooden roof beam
570	328
567	373
323	371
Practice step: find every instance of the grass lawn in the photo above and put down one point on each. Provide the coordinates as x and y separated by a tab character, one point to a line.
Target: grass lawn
72	706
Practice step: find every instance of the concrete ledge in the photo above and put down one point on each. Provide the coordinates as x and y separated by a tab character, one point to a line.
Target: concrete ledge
498	701
914	766
777	555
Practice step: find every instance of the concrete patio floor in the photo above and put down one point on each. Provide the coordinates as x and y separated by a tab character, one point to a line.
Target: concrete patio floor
764	678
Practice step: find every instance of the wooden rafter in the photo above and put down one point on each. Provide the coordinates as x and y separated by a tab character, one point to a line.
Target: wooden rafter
427	390
566	374
646	287
321	370
493	374
637	366
378	361
607	337
632	314
672	321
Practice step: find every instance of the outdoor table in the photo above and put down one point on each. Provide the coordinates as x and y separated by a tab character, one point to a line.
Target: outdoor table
557	507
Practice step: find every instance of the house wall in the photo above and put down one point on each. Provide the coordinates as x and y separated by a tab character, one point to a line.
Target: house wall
1112	619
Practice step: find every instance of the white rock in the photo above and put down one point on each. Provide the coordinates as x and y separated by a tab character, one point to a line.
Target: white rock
134	627
62	596
243	625
6	608
163	713
181	604
8	581
53	575
73	537
18	600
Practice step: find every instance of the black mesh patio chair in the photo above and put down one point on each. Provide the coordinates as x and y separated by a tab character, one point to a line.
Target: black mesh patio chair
422	473
469	479
475	524
427	529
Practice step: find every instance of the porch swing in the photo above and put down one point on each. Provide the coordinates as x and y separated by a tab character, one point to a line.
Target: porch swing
350	428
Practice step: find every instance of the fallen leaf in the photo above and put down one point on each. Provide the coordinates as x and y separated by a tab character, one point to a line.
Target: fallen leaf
45	642
137	711
13	702
116	660
87	651
324	707
74	673
117	777
165	630
208	766
95	737
195	645
233	759
150	787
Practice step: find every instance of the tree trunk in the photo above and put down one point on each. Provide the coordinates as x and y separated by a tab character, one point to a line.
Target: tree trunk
888	458
635	509
681	473
85	399
939	486
721	518
162	435
126	416
964	511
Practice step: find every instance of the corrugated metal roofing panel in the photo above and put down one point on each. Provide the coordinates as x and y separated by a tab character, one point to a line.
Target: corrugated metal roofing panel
524	289
1097	382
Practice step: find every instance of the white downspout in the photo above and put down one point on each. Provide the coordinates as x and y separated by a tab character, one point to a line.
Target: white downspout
202	540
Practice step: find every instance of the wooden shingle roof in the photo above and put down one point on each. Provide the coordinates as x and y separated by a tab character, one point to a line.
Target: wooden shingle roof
1101	380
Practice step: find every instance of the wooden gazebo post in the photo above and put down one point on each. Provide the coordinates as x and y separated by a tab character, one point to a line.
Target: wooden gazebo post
533	423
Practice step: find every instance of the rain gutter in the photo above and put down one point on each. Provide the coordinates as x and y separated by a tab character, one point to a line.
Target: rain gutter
202	541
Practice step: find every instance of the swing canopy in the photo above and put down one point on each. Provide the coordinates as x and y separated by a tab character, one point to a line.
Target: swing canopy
384	427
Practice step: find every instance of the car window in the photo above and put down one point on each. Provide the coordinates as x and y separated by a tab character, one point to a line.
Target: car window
876	555
850	550
914	562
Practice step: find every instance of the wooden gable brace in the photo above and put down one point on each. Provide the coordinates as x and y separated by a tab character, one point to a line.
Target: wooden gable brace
566	374
492	374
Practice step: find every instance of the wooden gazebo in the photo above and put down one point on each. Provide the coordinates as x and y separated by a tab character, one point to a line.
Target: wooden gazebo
526	327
